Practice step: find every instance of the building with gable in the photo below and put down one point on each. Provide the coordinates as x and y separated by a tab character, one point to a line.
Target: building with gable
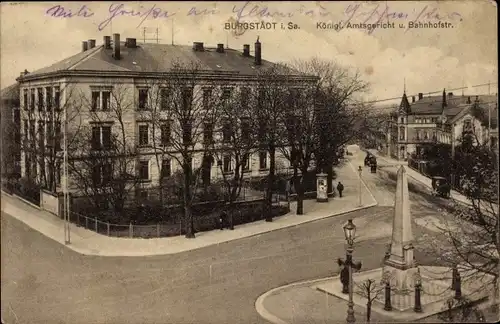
436	120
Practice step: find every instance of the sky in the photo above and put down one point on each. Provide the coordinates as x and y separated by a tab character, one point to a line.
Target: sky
35	35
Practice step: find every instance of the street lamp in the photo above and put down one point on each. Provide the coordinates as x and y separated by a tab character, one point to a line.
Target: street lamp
360	170
350	234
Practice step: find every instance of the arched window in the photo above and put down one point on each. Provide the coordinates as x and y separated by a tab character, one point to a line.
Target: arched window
401	133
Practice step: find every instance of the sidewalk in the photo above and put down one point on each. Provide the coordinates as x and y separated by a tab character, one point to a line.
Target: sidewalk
90	243
302	302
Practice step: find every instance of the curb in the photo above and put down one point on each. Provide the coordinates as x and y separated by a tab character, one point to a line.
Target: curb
268	316
265	314
88	252
97	253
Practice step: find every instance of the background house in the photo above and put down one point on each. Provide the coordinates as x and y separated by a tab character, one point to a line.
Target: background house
10	132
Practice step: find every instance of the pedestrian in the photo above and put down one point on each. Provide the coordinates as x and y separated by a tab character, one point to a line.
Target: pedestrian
340	188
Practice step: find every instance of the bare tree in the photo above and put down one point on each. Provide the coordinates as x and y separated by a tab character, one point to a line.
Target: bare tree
461	310
189	105
300	120
337	107
234	148
470	231
45	112
371	290
103	153
271	104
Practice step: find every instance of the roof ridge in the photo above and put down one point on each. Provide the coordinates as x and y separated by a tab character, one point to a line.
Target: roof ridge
92	51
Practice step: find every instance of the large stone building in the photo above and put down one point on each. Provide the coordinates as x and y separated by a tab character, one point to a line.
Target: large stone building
83	90
427	121
10	131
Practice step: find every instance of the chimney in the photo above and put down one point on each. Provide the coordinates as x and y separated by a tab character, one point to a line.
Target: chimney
220	48
420	96
412	99
116	46
85	46
450	94
258	52
198	47
468	100
246	50
107	42
91	43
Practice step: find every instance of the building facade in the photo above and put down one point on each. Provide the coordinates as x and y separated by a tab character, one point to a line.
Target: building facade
112	97
433	120
11	136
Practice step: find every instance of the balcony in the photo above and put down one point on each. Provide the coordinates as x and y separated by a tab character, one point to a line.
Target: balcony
419	139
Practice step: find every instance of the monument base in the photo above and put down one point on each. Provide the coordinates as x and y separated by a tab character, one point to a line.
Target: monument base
322	199
436	282
401	281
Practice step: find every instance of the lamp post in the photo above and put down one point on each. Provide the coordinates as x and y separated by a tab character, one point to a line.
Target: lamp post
350	232
418	289
360	170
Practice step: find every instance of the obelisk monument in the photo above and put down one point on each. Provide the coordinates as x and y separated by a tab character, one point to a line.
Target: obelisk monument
400	266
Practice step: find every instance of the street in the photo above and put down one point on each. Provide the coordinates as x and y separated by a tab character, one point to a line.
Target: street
44	282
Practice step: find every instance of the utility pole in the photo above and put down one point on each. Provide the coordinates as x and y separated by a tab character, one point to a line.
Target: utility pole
172	31
66	212
360	171
489	116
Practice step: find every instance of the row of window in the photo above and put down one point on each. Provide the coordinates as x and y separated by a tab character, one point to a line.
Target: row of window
47	170
419	134
101	135
101	99
208	133
43	98
46	97
102	173
50	131
431	120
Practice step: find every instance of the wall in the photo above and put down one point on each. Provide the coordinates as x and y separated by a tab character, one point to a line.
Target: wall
53	203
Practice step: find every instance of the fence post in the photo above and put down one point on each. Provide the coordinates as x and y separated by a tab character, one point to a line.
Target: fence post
158	230
130	230
108	227
86	222
95	219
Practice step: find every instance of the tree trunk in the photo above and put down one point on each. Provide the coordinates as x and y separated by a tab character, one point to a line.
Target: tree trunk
270	185
329	178
368	311
188	216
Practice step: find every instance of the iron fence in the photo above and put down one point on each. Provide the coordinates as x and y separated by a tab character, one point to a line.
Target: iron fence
253	211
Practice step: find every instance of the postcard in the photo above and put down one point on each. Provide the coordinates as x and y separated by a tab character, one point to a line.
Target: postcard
249	162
